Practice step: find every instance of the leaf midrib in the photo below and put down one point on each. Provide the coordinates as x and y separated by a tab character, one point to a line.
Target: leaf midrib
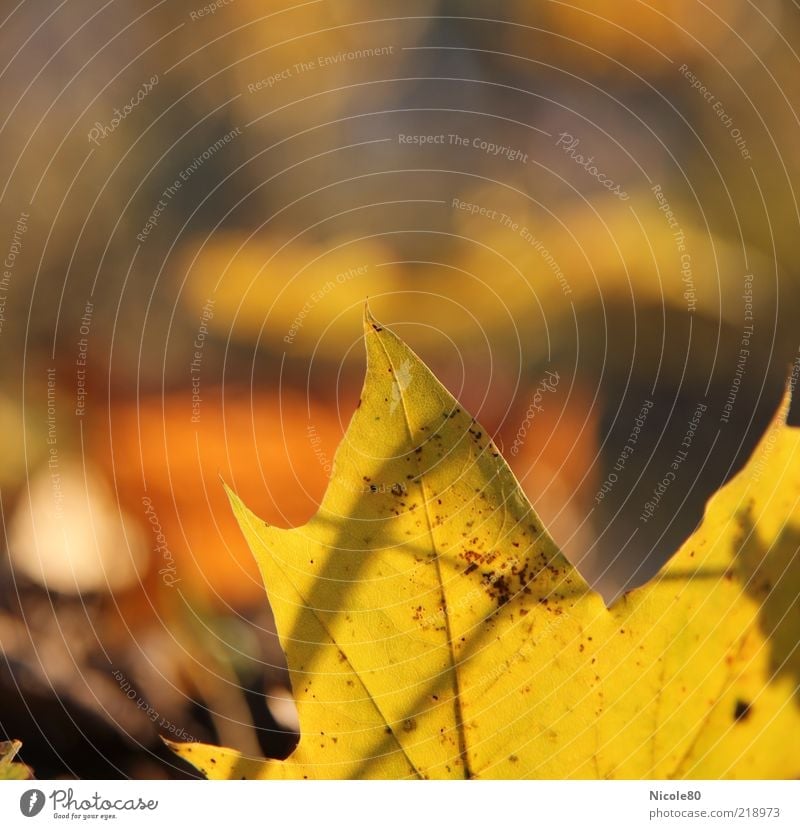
457	710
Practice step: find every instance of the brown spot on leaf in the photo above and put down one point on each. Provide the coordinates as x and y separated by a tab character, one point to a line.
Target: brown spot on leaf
741	711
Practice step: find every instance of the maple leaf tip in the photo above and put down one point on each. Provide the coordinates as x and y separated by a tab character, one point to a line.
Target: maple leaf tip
172	745
228	491
237	505
370	323
369	320
786	399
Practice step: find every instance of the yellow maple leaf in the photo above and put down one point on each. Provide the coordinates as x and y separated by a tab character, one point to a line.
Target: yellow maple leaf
433	629
11	769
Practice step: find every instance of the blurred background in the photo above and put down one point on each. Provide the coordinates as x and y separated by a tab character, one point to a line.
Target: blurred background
581	215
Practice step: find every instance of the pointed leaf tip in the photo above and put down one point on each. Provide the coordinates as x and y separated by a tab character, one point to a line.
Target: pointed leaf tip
786	400
370	323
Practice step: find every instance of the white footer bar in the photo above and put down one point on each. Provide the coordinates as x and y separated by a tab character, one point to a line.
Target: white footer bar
401	805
